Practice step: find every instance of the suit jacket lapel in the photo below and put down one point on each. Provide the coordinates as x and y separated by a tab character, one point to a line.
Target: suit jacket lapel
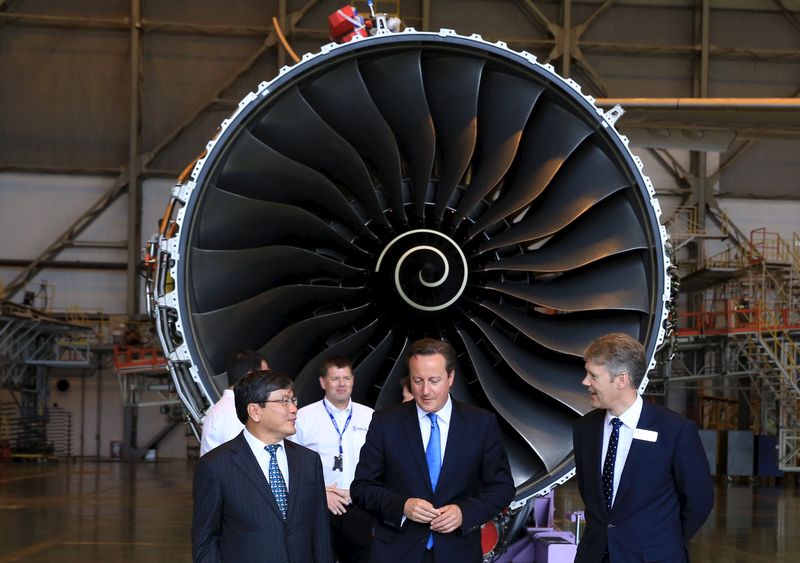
594	447
453	438
246	462
411	429
633	454
295	472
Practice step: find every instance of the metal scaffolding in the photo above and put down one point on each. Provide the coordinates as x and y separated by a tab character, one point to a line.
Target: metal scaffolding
740	338
31	343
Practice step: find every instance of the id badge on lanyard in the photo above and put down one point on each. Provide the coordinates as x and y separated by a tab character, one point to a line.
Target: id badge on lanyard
338	460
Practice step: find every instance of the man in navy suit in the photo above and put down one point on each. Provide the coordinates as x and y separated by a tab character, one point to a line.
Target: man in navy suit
432	470
259	497
641	468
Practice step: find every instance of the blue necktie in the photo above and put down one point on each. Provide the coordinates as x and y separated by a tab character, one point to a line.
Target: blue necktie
276	482
608	464
433	455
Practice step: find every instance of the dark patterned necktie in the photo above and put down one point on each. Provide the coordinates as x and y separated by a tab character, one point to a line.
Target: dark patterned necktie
608	464
276	482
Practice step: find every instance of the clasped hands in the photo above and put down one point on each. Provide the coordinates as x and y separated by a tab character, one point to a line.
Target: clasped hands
338	499
442	520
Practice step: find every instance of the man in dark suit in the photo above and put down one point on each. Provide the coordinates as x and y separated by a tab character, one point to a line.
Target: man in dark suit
432	470
641	468
259	497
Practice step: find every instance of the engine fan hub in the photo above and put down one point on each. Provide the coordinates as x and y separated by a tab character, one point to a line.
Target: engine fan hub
426	269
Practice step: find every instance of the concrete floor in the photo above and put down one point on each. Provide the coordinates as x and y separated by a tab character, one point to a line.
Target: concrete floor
85	512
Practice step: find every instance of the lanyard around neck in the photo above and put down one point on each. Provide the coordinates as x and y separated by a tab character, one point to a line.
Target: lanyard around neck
336	426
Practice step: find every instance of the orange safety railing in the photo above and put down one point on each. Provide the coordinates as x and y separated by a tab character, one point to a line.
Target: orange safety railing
728	317
763	246
138	358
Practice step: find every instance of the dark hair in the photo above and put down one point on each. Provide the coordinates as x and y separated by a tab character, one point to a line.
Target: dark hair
405	383
431	346
618	352
242	363
334	362
255	387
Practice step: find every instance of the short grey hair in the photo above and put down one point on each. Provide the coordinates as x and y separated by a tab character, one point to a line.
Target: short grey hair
618	352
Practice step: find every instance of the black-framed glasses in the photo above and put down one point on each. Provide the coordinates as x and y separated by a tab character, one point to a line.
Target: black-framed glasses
284	401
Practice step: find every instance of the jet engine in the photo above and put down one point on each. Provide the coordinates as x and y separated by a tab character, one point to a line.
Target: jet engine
416	185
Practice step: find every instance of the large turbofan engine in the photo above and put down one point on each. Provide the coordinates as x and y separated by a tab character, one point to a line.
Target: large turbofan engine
410	185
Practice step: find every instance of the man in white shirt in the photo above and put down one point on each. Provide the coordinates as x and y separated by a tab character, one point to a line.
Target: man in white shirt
336	428
259	497
221	423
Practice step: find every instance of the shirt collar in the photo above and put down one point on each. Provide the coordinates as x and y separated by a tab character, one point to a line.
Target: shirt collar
257	445
442	414
630	417
334	409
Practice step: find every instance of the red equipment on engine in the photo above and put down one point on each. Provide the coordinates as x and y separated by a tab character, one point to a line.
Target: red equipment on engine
345	23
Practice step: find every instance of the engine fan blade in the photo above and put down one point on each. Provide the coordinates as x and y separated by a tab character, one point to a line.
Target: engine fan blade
588	180
540	425
257	171
553	134
231	222
618	283
500	127
395	83
452	85
251	323
560	380
524	467
368	370
341	98
224	277
391	392
609	228
566	333
319	147
294	346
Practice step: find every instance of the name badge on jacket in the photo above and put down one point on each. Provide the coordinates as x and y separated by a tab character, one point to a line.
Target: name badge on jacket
646	435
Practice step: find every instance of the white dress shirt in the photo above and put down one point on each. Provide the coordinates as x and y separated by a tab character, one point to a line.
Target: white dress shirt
263	457
443	416
630	418
442	421
316	432
220	424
